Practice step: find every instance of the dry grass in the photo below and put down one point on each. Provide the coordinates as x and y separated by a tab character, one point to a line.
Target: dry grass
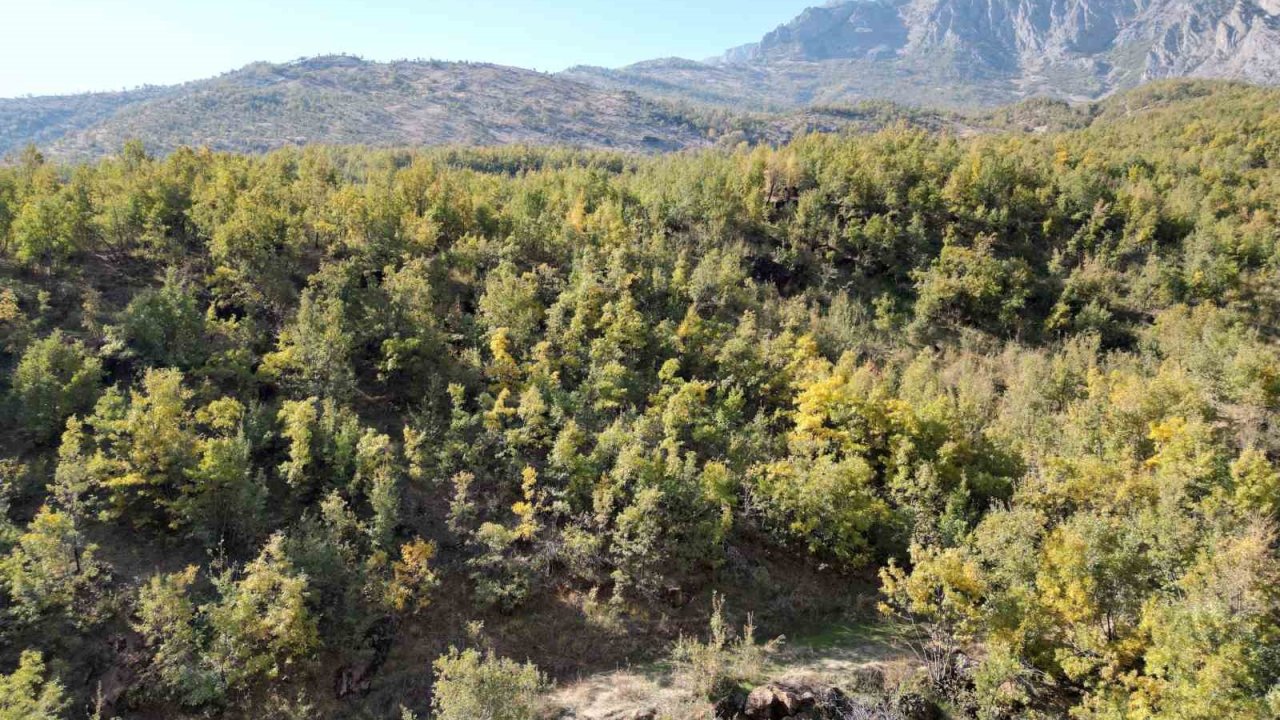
829	657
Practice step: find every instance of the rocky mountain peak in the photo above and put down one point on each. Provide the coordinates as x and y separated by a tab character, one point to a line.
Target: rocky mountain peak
1076	47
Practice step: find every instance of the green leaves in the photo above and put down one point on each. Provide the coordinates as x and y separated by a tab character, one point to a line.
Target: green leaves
27	694
56	378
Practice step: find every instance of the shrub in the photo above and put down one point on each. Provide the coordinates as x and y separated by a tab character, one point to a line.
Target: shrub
475	686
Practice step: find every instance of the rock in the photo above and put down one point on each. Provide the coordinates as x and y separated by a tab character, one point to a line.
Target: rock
353	680
779	700
764	703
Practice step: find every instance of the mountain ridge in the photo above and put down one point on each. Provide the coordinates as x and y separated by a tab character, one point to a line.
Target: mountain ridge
966	53
938	54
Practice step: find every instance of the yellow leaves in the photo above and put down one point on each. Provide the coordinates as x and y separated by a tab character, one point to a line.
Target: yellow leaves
827	503
496	416
843	409
576	217
412	577
504	369
9	310
1256	483
264	616
944	586
1162	432
806	361
527	510
222	415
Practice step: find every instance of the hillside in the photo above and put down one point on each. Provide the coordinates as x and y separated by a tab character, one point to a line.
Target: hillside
983	424
341	100
344	100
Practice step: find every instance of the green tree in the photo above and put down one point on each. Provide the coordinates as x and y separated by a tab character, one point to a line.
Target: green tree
261	625
53	570
26	693
165	327
167	619
56	378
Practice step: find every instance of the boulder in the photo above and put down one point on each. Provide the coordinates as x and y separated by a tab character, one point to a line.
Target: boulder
779	700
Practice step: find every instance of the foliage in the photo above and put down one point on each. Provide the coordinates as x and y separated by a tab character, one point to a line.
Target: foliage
1029	378
472	685
55	379
26	694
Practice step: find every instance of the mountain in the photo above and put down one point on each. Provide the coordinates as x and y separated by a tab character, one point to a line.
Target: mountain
341	99
973	52
830	68
346	100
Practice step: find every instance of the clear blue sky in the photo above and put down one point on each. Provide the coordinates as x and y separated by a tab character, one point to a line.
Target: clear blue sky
61	46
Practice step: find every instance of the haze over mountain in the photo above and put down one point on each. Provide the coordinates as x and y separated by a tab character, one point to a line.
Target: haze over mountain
931	53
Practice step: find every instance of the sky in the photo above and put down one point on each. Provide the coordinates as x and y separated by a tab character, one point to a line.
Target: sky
65	46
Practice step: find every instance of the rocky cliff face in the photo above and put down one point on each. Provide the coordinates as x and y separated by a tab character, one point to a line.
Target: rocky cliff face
1008	49
1063	47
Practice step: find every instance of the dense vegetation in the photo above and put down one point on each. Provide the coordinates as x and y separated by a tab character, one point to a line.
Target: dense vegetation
266	417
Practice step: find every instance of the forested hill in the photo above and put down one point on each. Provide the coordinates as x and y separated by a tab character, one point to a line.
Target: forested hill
341	99
346	100
351	433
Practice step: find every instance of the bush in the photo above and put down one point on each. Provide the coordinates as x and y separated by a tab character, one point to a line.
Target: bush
475	686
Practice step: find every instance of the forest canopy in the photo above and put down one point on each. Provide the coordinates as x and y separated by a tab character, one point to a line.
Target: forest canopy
268	418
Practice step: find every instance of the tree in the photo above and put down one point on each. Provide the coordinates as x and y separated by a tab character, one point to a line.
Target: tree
167	619
323	444
261	624
51	227
26	694
970	285
412	577
150	445
54	571
165	327
56	378
224	498
316	350
378	474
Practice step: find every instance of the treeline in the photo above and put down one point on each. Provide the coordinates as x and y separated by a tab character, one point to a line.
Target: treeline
262	411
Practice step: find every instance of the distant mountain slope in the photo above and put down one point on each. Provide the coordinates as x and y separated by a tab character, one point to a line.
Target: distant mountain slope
42	120
974	52
341	99
817	72
346	100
